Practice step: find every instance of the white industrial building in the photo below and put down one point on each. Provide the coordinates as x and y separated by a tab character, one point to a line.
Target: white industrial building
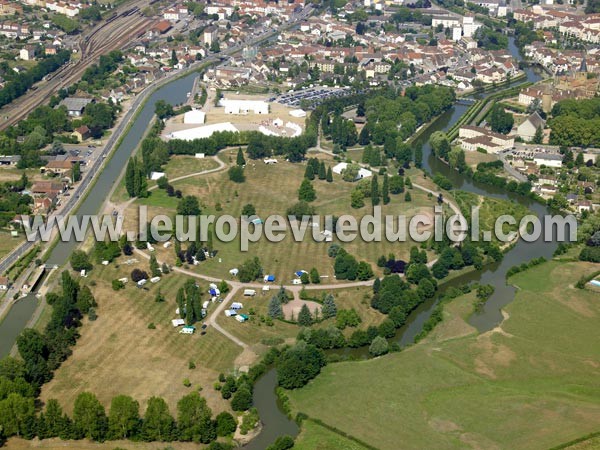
202	132
244	106
194	117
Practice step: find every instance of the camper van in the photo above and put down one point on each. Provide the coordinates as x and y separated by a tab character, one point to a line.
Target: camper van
249	292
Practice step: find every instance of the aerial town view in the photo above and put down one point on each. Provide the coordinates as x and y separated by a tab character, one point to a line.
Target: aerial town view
307	224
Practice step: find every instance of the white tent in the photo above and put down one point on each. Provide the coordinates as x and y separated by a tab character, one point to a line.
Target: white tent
156	175
178	322
298	113
202	132
195	116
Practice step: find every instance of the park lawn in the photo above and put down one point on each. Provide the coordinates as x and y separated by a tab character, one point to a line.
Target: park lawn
358	298
530	383
266	190
474	158
316	437
181	165
255	332
118	354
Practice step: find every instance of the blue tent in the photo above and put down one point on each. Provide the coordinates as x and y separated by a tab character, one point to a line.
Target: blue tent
299	273
212	292
270	278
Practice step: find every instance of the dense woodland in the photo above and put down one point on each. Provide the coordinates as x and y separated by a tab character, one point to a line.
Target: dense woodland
18	84
576	123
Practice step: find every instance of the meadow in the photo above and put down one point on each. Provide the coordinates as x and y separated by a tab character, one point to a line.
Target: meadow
530	383
271	190
119	354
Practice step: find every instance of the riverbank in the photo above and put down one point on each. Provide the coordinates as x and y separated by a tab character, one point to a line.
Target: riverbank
457	384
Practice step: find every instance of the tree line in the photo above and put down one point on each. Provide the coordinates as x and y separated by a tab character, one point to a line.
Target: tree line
23	81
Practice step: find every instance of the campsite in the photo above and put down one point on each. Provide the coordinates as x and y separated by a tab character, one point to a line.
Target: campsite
218	195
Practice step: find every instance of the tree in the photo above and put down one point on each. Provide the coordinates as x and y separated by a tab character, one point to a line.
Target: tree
375	196
357	199
299	364
304	316
314	276
379	346
154	267
85	300
329	308
329	177
275	309
240	160
188	206
309	173
137	275
249	210
322	171
418	156
396	184
250	270
180	301
385	190
304	278
55	423
76	174
17	413
307	192
80	261
407	197
236	174
89	417
282	443
300	209
364	271
242	399
500	120
158	424
193	419
538	138
124	417
163	109
226	424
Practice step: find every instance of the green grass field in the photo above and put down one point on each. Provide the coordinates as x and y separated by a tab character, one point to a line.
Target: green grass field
118	354
255	332
316	437
530	384
272	189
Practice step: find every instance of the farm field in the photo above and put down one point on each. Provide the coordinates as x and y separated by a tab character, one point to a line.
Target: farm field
119	354
218	195
530	383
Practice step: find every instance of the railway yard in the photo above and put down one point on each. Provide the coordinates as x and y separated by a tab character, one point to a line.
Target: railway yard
123	27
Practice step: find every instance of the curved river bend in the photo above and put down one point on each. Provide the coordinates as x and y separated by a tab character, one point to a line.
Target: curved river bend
275	422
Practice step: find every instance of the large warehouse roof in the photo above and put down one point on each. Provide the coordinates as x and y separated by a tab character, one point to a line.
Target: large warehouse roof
202	132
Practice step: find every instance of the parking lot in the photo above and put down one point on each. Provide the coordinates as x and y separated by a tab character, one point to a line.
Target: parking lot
313	96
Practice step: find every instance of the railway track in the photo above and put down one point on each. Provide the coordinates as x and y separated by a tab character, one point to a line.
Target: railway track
114	33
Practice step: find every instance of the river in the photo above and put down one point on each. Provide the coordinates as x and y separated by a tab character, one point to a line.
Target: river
275	422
